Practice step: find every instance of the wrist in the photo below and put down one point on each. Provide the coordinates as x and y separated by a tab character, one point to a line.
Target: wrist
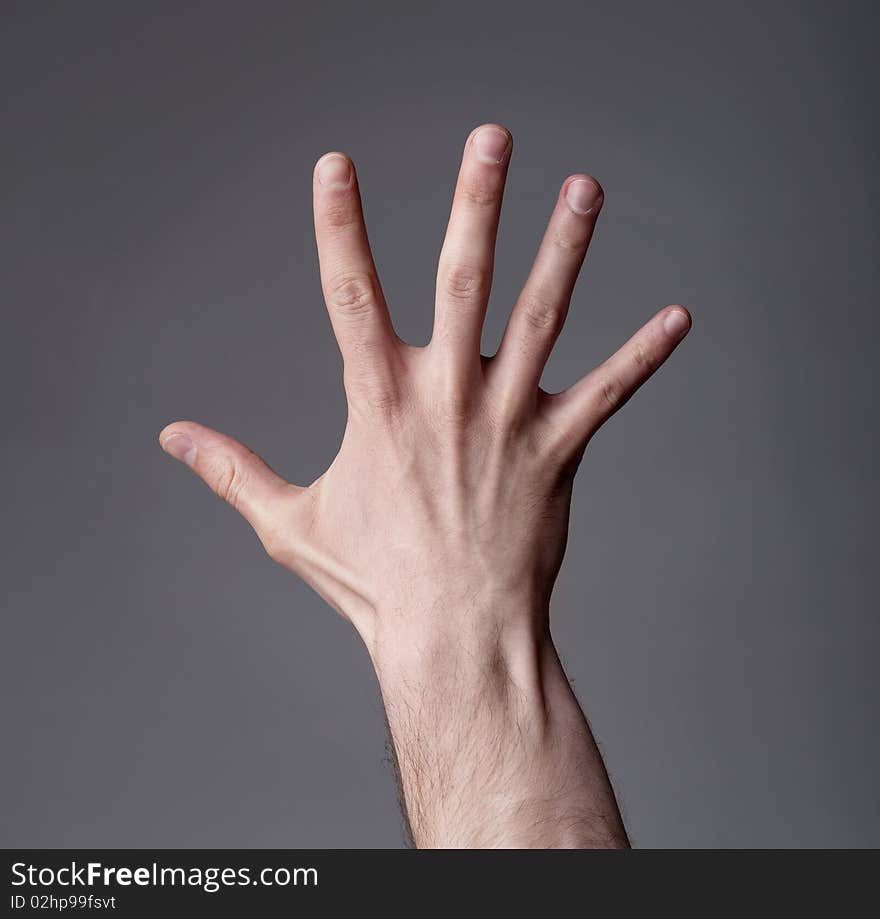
464	645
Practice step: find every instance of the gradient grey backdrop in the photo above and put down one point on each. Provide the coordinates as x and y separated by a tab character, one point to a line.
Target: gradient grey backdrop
163	683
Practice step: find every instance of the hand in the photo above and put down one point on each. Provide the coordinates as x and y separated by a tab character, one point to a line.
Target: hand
439	528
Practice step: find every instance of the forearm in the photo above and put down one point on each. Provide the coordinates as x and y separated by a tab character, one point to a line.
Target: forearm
492	747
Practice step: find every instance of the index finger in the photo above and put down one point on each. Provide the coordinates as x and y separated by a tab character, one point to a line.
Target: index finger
352	291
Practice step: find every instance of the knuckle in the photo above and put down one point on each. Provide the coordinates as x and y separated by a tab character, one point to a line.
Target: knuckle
540	313
465	283
273	543
610	393
229	482
568	242
351	294
371	398
454	412
481	194
341	214
278	531
556	444
643	359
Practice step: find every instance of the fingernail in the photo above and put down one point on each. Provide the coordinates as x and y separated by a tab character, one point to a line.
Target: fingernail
334	171
491	144
676	323
583	196
181	447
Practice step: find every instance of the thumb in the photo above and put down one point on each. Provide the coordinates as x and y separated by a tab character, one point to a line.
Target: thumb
230	470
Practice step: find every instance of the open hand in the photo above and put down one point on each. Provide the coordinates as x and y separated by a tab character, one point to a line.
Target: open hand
439	528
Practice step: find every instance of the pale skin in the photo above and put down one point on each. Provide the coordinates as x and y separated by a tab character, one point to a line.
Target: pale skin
440	527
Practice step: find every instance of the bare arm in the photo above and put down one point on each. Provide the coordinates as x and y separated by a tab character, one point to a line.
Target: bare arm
440	526
493	750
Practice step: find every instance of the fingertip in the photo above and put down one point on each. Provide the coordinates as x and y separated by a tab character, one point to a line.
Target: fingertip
334	170
168	431
584	177
677	322
491	142
176	442
173	428
583	193
492	124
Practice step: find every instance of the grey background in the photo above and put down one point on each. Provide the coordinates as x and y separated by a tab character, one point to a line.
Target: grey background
163	684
